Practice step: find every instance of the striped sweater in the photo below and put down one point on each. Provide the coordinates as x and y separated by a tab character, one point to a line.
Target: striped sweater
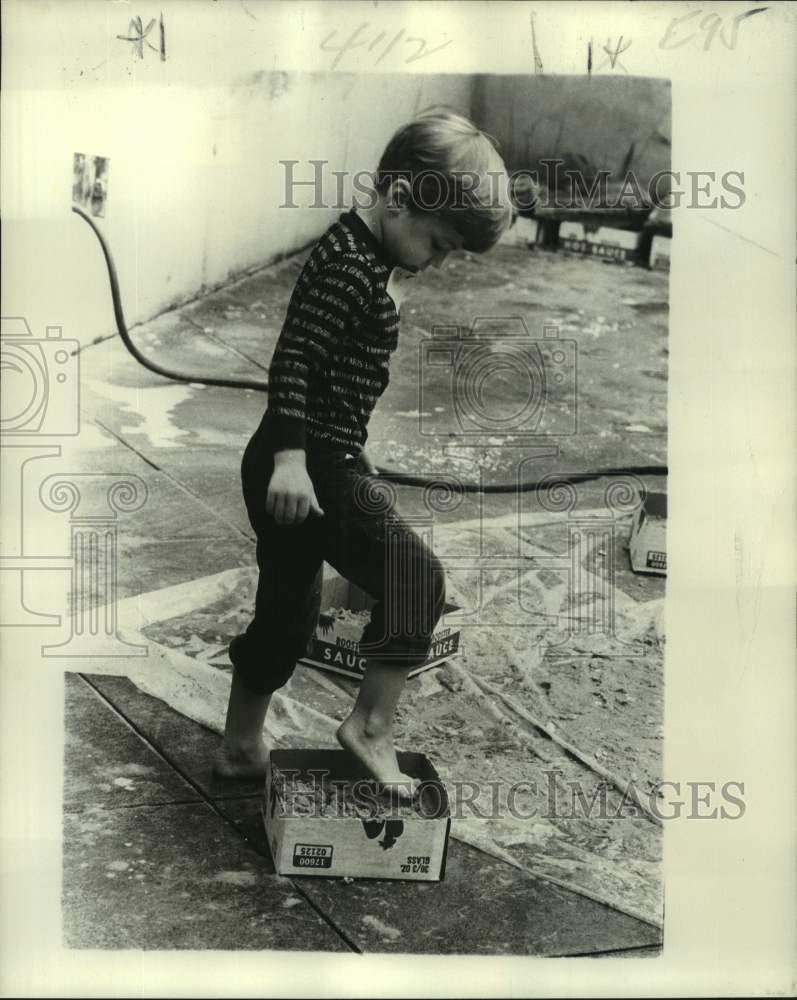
330	363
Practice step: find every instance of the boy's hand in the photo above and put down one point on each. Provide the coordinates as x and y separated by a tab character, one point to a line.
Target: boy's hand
367	464
291	496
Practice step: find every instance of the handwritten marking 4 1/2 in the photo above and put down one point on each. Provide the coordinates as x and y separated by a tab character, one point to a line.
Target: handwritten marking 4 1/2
374	44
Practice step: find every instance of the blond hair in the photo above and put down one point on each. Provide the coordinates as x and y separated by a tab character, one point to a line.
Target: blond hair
453	169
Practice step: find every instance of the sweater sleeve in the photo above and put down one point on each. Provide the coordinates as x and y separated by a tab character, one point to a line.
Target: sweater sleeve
319	318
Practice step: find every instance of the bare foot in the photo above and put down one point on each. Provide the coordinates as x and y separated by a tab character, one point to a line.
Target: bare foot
241	762
377	756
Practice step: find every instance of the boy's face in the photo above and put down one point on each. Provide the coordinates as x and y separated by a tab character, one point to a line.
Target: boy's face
417	240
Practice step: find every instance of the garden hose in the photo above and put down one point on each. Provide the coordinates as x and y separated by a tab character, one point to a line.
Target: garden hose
390	475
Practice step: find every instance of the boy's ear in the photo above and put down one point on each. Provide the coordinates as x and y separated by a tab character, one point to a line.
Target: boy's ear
398	195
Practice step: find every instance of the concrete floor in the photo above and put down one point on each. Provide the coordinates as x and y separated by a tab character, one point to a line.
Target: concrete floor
158	856
156	853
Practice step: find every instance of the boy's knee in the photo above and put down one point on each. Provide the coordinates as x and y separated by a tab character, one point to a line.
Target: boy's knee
265	669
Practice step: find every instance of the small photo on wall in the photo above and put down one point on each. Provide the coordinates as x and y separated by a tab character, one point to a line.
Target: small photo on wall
90	182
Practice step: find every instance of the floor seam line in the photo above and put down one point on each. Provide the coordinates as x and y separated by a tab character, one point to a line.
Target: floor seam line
215	339
172	479
77	810
652	948
120	440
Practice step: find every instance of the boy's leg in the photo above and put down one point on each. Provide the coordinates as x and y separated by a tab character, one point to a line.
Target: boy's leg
287	603
243	753
376	550
368	731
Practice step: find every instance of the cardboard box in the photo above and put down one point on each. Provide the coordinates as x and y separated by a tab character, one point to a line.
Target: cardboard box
647	545
382	842
660	253
523	232
608	243
335	645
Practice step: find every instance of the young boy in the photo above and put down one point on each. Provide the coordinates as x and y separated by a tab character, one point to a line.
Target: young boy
440	186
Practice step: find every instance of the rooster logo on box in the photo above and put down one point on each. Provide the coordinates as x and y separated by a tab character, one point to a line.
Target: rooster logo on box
393	830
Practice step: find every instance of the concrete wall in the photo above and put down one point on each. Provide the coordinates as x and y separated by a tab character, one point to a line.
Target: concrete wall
194	142
195	183
537	117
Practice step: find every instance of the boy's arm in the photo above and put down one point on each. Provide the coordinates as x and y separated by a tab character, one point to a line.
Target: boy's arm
325	313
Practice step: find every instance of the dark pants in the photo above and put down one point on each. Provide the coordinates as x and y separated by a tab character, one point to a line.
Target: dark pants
363	537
